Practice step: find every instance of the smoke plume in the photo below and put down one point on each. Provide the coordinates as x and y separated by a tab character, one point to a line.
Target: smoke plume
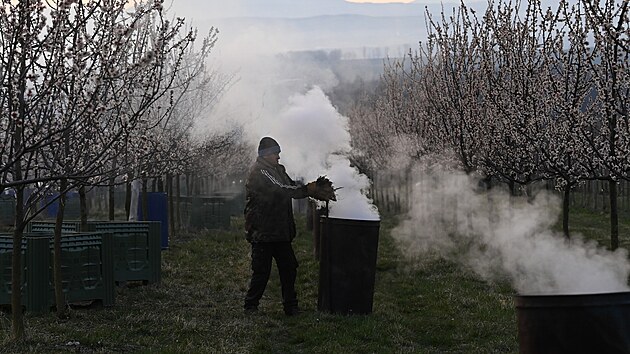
279	93
498	236
315	141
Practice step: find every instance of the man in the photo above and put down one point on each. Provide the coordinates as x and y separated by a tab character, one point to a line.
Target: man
270	225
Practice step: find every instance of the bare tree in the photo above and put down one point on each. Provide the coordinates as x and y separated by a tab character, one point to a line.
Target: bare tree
522	96
609	135
80	81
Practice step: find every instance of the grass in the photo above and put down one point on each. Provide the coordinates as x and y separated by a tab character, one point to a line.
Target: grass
429	307
596	226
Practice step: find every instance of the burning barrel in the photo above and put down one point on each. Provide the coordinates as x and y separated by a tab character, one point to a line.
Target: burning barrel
347	265
584	323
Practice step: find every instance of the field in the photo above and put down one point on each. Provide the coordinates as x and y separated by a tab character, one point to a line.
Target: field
429	307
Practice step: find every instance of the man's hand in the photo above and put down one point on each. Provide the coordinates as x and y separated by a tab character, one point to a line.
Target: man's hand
321	189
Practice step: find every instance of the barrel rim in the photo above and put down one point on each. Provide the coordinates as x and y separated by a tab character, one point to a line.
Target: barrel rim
346	220
573	300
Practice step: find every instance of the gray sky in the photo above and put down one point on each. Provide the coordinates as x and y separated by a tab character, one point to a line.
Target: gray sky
288	25
200	10
247	47
357	33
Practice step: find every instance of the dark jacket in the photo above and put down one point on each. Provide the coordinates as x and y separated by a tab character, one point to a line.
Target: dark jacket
269	207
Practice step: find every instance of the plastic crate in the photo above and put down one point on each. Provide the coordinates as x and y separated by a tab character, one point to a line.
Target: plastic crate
6	268
86	265
235	202
49	226
137	249
211	213
7	210
136	246
34	285
72	209
157	210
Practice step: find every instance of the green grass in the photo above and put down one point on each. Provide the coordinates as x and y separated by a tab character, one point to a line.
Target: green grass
429	307
596	226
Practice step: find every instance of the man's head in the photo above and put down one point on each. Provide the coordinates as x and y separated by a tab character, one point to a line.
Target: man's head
269	149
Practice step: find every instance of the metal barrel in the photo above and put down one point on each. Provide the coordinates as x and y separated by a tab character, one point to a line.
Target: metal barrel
581	323
348	250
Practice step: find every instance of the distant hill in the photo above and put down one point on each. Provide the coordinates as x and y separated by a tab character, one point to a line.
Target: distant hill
363	36
197	9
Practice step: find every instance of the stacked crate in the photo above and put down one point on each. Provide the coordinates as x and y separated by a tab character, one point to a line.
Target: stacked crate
210	213
86	266
136	245
7	210
137	249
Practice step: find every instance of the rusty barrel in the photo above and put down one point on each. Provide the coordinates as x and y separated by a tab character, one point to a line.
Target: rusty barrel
578	323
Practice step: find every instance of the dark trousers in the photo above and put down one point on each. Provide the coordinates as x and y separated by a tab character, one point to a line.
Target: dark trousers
262	253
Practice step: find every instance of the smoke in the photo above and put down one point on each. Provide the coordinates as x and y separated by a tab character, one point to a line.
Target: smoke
352	201
288	103
280	93
498	236
261	75
315	141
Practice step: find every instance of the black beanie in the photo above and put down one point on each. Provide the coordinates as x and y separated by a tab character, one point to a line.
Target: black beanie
268	146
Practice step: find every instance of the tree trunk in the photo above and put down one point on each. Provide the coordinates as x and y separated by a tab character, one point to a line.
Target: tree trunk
111	192
171	207
408	189
309	214
585	195
145	200
565	212
614	216
604	204
111	200
189	193
512	187
83	208
627	195
127	199
624	193
17	320
160	184
594	194
57	277
178	202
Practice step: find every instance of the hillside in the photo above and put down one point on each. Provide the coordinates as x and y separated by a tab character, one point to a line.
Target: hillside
356	33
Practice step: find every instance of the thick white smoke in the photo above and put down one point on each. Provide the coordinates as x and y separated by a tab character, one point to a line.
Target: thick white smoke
277	93
352	202
315	141
499	236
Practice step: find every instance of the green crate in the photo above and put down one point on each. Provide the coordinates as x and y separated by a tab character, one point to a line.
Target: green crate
86	265
137	249
6	268
235	202
49	226
7	210
210	213
73	208
35	255
38	260
136	244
